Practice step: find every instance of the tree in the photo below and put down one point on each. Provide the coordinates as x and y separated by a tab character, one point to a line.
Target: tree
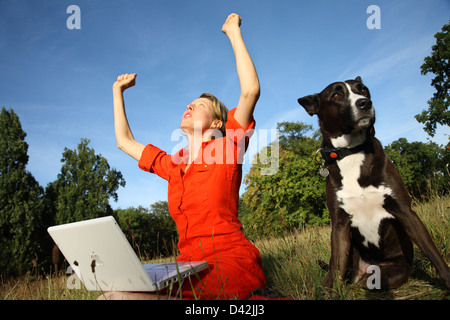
150	231
293	197
84	186
438	64
293	137
422	166
21	202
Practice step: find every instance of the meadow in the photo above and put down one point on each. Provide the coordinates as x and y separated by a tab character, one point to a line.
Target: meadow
291	266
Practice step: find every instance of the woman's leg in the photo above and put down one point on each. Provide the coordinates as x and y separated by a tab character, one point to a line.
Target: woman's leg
124	295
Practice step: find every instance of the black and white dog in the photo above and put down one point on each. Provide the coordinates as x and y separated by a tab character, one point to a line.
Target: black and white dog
371	217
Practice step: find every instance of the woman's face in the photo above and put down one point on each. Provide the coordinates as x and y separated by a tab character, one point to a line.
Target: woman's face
198	113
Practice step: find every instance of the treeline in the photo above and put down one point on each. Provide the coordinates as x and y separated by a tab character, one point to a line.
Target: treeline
291	198
82	190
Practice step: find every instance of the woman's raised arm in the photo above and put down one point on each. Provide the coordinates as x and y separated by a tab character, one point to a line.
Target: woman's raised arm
124	136
248	78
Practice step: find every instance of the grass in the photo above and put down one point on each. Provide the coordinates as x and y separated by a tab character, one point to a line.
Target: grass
291	267
49	287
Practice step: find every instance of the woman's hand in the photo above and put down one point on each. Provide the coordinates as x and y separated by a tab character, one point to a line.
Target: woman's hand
232	23
125	81
124	137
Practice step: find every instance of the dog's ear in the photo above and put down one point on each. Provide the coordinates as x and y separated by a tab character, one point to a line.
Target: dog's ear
310	103
372	132
358	79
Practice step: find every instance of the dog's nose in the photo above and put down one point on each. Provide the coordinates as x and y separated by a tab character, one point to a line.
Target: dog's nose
363	103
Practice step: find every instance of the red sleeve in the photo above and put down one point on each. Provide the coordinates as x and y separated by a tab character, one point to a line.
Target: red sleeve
156	161
233	124
238	136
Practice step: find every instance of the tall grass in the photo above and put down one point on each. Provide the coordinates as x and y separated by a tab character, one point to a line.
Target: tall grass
291	267
39	287
291	262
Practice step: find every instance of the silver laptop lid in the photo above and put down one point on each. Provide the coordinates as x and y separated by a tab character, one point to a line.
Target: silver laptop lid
101	256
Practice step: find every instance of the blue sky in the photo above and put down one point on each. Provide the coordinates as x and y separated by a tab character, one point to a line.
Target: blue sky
59	81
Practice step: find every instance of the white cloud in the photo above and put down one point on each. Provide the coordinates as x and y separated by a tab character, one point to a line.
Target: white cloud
378	64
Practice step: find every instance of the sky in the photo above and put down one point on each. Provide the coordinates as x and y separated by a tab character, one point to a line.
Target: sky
58	80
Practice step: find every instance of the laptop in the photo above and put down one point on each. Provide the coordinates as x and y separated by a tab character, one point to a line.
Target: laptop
103	259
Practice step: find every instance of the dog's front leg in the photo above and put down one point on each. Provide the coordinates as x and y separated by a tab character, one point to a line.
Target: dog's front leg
417	231
340	250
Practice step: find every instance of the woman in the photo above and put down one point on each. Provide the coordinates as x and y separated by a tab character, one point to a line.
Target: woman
204	183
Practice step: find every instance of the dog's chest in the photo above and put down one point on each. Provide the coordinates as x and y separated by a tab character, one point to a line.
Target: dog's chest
364	205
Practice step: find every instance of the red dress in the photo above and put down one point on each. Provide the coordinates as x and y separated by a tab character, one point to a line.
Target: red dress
203	201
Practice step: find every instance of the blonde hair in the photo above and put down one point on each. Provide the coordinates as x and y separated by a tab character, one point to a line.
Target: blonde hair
219	110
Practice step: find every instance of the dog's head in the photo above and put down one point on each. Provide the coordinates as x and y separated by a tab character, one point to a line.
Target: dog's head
342	107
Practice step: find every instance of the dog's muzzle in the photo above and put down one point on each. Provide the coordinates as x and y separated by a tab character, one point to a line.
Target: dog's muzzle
363	104
364	113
